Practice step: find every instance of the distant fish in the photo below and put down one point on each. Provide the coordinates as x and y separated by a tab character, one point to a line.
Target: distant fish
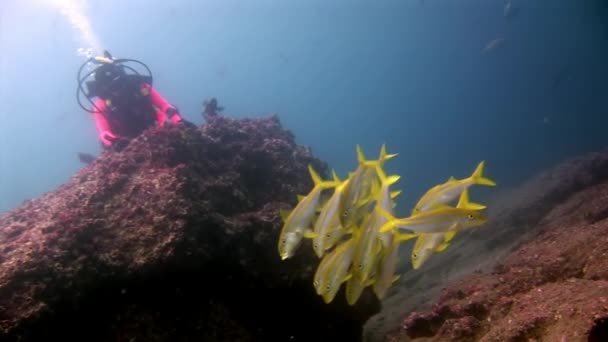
510	11
211	108
86	158
492	45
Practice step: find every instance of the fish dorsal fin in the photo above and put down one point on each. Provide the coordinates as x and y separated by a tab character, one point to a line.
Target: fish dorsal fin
300	197
451	179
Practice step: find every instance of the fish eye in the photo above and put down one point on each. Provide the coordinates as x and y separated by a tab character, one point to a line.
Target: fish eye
415	255
470	216
328	235
328	287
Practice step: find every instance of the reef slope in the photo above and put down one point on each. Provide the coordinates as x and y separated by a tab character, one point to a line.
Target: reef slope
550	285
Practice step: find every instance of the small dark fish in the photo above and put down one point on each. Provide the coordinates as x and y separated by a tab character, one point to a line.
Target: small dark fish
86	158
210	108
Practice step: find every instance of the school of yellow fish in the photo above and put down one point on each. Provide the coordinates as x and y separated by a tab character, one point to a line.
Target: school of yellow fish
356	235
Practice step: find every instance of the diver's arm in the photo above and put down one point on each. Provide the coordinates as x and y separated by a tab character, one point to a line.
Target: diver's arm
166	110
103	127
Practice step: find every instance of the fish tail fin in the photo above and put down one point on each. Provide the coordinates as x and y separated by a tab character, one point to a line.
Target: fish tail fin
318	181
314	175
360	155
478	177
384	179
385	156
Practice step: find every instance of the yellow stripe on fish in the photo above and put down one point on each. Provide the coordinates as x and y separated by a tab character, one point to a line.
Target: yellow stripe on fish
436	221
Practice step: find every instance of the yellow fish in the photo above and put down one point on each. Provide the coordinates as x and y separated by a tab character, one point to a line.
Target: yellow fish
298	223
358	191
429	244
329	218
438	220
447	192
386	268
338	271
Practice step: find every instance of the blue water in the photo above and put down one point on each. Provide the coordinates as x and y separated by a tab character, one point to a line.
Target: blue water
407	73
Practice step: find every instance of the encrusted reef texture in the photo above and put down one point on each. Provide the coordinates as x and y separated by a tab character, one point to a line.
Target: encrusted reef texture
173	238
553	286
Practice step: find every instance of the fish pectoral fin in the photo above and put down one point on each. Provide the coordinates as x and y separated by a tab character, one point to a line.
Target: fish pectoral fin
369	282
309	234
449	236
348	276
442	247
395	278
404	237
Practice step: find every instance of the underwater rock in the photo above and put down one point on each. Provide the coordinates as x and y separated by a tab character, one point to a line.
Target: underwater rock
172	238
551	286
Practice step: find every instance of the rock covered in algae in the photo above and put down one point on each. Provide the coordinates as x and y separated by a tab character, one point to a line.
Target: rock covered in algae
172	238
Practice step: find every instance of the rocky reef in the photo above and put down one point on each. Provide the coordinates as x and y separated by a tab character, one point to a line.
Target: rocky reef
537	272
171	238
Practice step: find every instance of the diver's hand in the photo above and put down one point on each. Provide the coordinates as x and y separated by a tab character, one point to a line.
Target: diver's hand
176	119
107	138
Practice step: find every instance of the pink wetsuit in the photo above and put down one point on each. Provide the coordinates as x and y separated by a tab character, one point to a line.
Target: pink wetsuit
112	125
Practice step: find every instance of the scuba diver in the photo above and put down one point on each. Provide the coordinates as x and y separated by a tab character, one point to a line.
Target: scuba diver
126	103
